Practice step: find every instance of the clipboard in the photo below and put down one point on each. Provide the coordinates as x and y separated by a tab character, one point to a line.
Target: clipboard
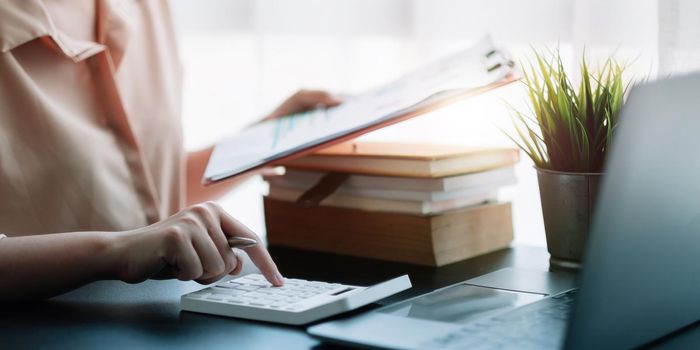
466	73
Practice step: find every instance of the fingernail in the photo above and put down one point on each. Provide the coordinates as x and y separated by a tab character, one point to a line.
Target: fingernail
279	278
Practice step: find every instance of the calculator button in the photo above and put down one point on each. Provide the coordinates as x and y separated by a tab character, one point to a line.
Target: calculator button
228	285
255	295
255	282
247	287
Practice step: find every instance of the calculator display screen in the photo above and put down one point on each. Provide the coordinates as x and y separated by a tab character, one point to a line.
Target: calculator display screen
460	303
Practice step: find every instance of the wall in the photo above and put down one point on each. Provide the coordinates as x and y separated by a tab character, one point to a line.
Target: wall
242	57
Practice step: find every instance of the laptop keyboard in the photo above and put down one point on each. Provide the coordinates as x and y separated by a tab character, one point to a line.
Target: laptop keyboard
540	325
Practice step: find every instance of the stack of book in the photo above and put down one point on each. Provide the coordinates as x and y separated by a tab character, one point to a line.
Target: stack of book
425	204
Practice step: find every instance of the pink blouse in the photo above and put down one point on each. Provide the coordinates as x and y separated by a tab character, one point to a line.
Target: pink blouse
90	130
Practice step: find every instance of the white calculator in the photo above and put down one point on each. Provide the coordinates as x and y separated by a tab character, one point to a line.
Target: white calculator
297	302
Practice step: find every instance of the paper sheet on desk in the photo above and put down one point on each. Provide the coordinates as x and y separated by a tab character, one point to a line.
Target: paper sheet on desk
471	71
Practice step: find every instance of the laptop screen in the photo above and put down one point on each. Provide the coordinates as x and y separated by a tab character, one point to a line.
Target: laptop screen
641	277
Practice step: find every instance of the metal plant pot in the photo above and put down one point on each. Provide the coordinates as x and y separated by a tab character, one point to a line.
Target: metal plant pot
567	207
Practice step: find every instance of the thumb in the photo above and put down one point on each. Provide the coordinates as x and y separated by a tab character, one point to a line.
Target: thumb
316	98
330	100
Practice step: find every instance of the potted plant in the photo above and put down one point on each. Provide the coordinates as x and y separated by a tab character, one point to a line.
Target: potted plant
568	135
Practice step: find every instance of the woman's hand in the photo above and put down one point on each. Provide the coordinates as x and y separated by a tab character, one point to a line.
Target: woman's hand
190	245
302	101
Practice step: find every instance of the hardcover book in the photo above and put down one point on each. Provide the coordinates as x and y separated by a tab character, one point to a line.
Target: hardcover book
406	159
432	240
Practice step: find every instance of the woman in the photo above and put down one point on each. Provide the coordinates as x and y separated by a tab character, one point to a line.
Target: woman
91	146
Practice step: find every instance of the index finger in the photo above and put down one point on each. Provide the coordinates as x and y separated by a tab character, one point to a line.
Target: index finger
258	254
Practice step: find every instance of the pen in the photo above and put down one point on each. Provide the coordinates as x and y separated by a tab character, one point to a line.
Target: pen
241	242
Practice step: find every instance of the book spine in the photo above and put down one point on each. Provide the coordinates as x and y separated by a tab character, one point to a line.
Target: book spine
424	196
481	230
492	178
387	236
432	240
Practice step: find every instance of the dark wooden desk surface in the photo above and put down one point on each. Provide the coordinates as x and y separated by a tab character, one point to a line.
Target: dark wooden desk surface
115	315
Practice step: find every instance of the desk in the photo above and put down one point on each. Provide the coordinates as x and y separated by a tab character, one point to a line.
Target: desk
116	315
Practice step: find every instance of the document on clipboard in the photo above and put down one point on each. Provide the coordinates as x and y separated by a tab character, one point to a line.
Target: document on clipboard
475	70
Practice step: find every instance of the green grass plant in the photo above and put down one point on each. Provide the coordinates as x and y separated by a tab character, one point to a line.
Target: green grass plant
569	128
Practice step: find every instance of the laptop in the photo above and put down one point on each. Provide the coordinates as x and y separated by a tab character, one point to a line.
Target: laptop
641	276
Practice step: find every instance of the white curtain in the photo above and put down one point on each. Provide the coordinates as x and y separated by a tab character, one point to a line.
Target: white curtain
243	56
679	36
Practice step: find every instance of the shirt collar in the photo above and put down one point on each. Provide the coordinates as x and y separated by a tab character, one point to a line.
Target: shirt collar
22	21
